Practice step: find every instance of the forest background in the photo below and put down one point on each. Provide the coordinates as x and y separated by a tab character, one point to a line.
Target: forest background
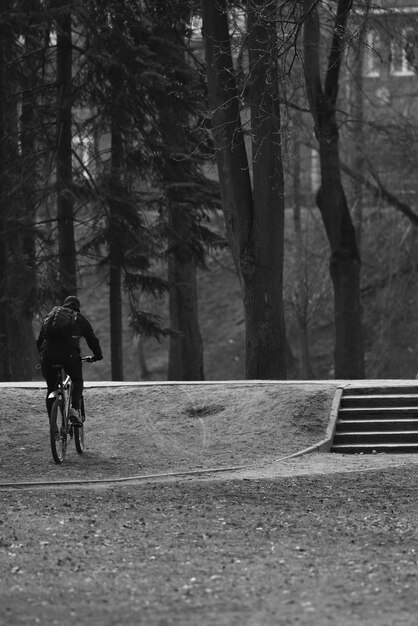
230	189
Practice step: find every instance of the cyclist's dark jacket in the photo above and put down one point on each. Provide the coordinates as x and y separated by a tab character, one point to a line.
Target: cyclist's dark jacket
82	328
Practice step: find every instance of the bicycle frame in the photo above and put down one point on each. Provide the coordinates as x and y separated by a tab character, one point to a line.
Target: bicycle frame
63	386
63	427
63	390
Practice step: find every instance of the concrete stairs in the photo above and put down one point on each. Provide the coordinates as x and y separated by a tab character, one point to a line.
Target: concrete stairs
377	419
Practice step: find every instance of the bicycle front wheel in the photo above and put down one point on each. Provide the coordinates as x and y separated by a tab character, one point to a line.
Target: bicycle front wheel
58	431
79	432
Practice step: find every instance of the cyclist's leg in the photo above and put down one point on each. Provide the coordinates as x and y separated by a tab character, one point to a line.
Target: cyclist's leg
73	367
49	404
79	432
50	375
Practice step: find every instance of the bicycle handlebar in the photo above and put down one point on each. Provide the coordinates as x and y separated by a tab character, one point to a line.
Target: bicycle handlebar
88	359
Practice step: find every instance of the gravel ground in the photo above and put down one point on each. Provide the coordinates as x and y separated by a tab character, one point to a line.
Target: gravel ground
317	539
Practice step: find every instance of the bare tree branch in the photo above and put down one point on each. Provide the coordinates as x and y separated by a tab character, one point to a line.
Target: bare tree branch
379	191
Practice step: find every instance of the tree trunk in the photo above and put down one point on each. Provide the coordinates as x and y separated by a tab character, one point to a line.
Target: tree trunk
116	320
231	155
263	276
115	244
5	313
357	129
301	292
27	357
140	362
185	360
186	348
115	271
331	200
16	274
254	220
65	217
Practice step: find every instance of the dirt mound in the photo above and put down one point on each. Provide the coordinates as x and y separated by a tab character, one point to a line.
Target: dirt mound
164	428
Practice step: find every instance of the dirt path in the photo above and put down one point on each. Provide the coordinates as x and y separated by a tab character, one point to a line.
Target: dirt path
319	539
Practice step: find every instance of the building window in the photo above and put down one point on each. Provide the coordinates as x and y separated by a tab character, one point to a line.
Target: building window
83	148
315	170
403	52
372	56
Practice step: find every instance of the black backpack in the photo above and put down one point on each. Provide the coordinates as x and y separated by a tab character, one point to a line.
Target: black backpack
59	324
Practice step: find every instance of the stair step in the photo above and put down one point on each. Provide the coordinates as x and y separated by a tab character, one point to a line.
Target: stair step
390	448
380	390
383	400
390	412
376	425
377	419
370	437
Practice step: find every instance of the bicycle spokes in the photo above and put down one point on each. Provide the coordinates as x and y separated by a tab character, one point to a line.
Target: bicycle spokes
58	431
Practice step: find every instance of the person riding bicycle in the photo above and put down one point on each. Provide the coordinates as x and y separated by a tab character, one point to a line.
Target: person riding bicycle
66	352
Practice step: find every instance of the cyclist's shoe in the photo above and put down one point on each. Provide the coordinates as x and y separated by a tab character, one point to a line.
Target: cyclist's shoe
74	417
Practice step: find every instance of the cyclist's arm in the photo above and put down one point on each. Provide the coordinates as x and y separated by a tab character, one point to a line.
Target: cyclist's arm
92	341
40	339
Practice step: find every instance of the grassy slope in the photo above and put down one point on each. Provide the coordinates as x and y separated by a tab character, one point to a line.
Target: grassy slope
221	319
389	319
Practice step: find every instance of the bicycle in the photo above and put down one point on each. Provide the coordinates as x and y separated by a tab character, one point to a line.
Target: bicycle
61	428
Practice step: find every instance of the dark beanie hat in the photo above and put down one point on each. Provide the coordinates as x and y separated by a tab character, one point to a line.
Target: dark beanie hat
72	302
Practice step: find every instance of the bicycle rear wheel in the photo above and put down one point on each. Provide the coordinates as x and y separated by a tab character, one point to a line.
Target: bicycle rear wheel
79	432
57	431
